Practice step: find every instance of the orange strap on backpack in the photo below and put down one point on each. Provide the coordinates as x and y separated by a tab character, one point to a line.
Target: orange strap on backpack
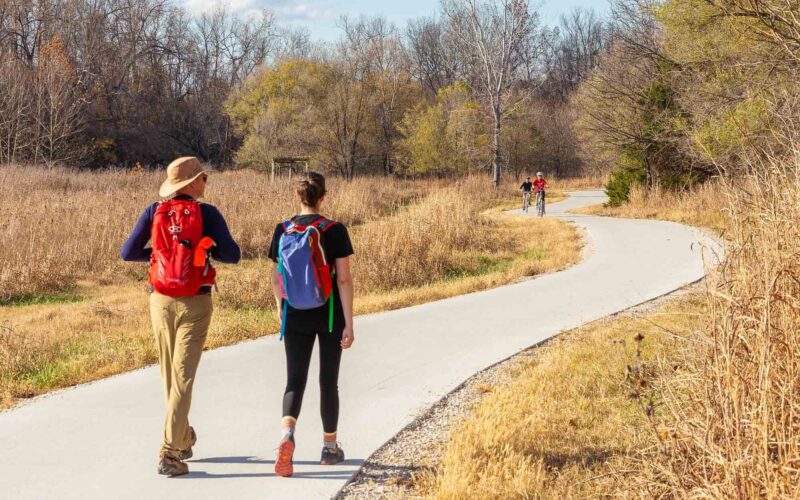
201	252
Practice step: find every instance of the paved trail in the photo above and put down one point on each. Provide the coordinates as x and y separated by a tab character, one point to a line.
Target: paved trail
100	440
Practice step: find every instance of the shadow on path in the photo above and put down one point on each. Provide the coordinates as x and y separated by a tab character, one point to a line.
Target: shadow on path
333	474
337	474
256	460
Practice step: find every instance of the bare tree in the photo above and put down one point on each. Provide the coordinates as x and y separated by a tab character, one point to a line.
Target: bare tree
16	133
492	32
293	43
391	82
573	50
59	109
346	109
434	62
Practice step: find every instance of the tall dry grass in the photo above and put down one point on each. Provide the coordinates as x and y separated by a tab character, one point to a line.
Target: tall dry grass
61	226
732	428
596	181
705	205
441	237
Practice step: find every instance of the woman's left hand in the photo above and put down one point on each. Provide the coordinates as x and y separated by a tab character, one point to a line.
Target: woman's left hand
347	337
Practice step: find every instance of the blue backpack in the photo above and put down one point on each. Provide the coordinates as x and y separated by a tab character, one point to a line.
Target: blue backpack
305	274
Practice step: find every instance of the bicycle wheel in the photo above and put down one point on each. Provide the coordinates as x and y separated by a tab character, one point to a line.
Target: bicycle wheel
540	204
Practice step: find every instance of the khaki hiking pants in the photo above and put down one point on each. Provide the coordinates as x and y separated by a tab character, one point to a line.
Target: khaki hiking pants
180	325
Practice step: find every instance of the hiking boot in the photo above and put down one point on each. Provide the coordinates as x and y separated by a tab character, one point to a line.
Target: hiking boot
171	466
332	456
187	453
283	465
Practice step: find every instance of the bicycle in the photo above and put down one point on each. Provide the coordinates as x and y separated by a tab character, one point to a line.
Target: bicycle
526	201
540	203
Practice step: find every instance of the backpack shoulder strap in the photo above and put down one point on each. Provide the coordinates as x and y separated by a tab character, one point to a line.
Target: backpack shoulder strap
323	224
163	206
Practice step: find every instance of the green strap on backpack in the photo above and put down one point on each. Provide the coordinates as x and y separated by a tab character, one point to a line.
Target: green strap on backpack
330	314
330	308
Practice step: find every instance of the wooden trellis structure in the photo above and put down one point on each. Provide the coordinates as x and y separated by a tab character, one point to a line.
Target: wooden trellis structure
288	165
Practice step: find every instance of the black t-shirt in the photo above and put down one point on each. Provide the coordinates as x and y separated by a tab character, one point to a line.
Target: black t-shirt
527	186
336	244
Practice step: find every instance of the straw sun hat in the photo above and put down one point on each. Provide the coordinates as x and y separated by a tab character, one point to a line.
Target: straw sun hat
180	173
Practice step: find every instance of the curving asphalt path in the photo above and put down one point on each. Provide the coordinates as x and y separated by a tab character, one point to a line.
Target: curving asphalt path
100	440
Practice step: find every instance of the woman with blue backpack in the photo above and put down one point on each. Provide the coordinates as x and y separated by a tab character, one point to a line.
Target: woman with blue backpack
314	292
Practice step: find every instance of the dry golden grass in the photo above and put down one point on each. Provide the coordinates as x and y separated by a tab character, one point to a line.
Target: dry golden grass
704	206
731	427
534	247
566	425
62	226
91	321
579	183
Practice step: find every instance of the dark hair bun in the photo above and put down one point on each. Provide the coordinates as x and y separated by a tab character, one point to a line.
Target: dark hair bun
311	189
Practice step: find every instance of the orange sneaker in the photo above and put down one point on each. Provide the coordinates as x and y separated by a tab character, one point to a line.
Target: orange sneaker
283	465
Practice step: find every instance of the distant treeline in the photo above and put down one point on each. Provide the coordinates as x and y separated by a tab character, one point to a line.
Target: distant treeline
96	83
661	93
119	82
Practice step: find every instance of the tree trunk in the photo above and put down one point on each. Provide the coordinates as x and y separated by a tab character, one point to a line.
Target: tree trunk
351	166
387	166
497	160
650	182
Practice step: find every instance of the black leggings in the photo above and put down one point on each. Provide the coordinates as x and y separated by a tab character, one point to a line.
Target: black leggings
299	345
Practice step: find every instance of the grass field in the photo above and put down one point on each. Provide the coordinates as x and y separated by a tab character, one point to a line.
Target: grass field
73	312
568	424
706	205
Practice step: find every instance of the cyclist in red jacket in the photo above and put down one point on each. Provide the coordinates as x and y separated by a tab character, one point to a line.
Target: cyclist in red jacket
539	186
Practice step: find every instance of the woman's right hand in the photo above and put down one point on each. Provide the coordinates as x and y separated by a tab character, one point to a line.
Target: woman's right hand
347	337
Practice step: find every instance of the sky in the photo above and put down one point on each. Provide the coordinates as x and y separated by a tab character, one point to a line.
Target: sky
320	16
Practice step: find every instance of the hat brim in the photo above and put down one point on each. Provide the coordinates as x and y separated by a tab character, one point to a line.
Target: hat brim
168	188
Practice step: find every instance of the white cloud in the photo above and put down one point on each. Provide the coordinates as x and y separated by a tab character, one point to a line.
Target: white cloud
305	11
200	6
288	10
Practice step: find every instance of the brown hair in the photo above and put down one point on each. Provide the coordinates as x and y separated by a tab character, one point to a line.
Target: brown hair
311	189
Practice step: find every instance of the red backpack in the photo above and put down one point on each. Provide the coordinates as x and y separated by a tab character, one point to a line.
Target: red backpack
176	234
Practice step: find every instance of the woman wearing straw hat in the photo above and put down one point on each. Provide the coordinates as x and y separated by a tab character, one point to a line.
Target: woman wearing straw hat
184	235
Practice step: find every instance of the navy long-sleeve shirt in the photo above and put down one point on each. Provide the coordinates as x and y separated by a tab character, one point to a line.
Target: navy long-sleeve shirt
226	250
